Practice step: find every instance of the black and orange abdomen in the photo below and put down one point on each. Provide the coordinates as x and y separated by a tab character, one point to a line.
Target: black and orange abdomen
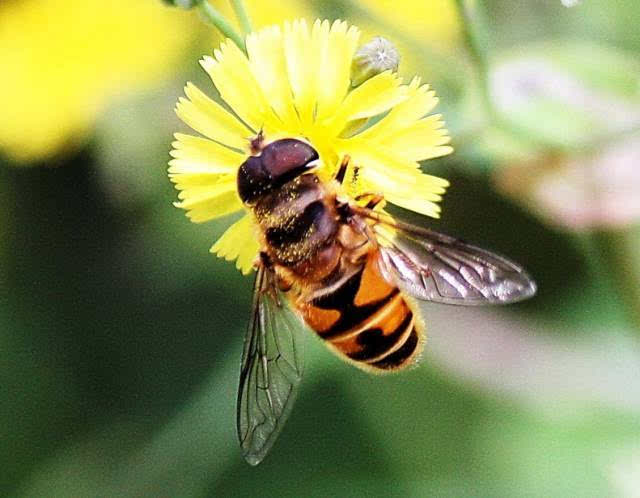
367	320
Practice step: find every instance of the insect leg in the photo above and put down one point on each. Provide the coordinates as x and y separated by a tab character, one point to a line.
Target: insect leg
373	202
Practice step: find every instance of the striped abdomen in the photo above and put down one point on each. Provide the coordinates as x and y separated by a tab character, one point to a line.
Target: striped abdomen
367	320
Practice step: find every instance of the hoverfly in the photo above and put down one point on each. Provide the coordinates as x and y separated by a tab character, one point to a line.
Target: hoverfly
350	273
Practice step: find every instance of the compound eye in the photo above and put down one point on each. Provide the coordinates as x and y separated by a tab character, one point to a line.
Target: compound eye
252	180
287	157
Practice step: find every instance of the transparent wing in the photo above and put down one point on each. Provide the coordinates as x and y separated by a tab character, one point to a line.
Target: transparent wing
271	369
435	267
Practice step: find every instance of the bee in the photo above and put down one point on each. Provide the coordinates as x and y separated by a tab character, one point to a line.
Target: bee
347	270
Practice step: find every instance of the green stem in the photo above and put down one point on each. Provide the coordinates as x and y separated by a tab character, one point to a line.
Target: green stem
241	14
619	250
220	22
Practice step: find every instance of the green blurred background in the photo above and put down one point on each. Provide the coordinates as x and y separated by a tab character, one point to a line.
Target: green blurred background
120	335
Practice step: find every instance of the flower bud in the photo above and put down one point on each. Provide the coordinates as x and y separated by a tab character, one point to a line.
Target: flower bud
373	58
183	4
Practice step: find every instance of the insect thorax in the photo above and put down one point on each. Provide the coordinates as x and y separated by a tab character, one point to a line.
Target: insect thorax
297	220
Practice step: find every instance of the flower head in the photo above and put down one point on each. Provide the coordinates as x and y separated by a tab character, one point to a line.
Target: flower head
295	82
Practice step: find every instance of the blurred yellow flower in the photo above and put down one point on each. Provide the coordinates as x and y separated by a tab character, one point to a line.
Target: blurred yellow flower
63	60
295	82
268	13
434	21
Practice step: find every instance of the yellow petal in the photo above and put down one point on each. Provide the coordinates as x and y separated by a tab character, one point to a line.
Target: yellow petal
399	181
232	76
417	186
185	181
300	67
199	155
418	195
209	118
373	97
213	208
334	61
420	101
385	234
427	208
206	202
202	192
419	199
239	242
370	156
424	139
269	67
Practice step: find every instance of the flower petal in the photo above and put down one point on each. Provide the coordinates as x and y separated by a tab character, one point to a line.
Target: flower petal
269	67
424	139
335	67
301	68
199	155
420	101
367	155
183	181
427	208
400	181
419	196
211	119
373	97
232	76
239	242
206	202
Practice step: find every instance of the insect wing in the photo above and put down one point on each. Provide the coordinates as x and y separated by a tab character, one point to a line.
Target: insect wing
435	267
271	369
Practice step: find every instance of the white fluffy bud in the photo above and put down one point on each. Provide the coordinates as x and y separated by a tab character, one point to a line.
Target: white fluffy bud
373	58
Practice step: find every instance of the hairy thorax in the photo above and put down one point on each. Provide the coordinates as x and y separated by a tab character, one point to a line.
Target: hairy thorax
305	237
297	220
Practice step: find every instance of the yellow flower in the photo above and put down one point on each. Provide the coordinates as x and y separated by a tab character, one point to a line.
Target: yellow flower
295	82
436	22
63	60
266	13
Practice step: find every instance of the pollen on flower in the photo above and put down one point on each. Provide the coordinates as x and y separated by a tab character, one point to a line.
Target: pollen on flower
296	82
